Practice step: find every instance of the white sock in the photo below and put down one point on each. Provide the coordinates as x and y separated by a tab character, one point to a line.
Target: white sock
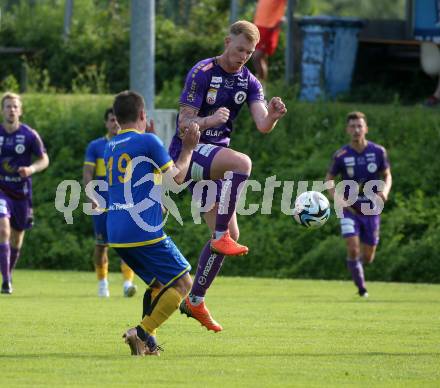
103	283
128	283
218	234
196	300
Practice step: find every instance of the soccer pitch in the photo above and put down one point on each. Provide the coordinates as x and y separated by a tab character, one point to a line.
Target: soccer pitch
56	332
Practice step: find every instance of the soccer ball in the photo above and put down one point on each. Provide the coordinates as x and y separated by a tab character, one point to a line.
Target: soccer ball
312	209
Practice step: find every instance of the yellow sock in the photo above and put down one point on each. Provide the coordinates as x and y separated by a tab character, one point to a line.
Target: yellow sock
167	303
101	271
154	292
127	272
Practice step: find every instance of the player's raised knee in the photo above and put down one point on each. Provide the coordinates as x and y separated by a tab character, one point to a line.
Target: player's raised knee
244	163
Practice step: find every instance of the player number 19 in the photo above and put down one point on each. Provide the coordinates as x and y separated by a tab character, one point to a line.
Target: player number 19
124	168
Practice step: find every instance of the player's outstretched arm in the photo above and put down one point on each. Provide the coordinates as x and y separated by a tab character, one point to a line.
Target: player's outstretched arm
265	118
190	139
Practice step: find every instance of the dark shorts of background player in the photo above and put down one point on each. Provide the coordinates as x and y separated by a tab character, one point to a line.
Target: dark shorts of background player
268	39
366	227
161	261
19	211
100	228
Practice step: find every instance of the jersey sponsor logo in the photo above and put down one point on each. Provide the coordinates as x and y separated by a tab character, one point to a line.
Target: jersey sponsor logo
20	138
121	206
113	143
211	96
216	86
217	80
240	97
13	179
371	158
20	148
229	83
202	278
372	167
242	82
349	161
214	132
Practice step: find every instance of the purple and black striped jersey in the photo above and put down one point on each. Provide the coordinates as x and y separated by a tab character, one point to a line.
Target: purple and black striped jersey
360	167
207	88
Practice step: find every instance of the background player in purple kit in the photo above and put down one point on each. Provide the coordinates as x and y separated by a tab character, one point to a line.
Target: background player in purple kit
94	169
18	143
361	161
215	91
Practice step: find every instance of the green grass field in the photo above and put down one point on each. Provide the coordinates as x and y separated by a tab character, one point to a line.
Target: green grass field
56	332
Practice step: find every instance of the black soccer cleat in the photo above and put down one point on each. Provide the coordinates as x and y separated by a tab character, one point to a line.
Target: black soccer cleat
6	288
363	293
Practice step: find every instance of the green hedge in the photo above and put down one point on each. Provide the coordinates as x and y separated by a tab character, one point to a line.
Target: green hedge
300	148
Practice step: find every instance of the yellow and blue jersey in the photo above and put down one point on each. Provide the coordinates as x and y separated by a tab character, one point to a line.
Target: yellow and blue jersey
95	157
134	162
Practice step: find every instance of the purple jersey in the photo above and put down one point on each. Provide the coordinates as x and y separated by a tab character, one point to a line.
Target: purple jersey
207	88
360	167
16	150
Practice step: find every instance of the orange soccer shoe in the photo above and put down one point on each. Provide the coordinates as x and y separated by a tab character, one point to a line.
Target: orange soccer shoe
199	313
225	245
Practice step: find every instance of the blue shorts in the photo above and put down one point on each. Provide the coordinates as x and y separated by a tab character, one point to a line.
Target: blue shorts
100	228
161	261
366	227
